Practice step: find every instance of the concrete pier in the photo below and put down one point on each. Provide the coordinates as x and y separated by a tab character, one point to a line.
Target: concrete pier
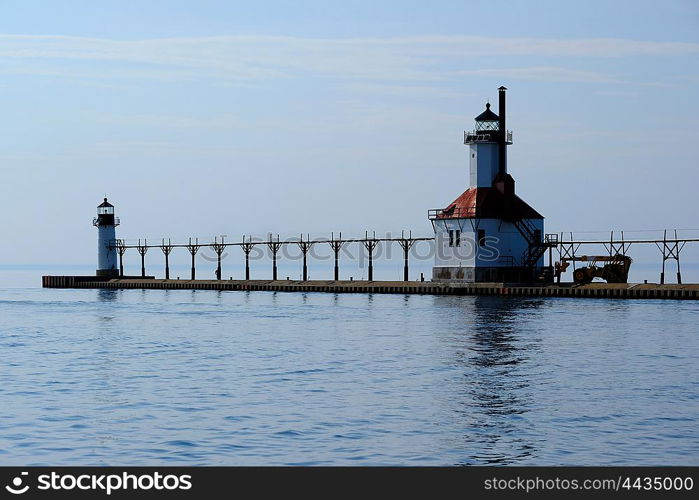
591	290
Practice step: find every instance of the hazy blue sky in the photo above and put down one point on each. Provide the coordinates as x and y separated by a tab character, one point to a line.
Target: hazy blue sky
220	117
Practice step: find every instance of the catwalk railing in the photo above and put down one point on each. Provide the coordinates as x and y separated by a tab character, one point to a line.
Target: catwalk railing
670	248
274	245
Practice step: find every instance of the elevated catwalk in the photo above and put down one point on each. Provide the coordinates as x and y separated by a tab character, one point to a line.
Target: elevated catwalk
591	290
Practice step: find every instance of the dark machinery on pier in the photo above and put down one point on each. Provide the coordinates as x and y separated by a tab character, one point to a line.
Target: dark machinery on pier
615	268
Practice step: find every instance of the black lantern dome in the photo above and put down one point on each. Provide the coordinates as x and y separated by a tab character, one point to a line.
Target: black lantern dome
105	215
487	120
105	208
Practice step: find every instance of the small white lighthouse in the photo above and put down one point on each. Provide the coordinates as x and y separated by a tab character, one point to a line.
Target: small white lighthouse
488	234
106	224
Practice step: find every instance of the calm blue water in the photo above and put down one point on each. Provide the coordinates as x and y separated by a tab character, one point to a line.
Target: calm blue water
198	377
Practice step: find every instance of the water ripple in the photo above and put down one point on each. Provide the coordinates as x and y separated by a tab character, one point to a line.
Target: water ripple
211	378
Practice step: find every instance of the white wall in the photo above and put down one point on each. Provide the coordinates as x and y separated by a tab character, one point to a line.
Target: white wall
502	240
106	256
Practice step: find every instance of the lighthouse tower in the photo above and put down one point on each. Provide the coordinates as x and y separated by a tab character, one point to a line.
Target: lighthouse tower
106	224
488	234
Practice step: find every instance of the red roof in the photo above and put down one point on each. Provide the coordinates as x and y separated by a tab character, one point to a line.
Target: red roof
488	203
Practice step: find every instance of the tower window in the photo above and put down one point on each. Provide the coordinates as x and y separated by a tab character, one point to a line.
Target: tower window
481	237
454	237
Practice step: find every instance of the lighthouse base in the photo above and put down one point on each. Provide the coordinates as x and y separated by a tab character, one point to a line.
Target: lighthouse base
109	273
509	274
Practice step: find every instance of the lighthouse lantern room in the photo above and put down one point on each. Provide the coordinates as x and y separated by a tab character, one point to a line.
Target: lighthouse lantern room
488	233
106	223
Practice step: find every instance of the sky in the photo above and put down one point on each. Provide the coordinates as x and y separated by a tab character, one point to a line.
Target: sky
202	118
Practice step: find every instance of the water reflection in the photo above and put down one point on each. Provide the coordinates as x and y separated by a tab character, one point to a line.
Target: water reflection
107	295
496	355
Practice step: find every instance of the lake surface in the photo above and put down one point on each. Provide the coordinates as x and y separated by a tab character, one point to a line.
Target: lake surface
261	378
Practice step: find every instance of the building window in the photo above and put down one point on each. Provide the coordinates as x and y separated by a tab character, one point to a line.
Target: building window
454	237
481	237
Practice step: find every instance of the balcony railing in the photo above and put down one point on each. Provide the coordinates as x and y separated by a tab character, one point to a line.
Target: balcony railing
454	213
96	222
473	136
485	136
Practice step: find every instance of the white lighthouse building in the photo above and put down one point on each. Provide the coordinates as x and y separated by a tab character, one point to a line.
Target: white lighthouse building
488	233
106	224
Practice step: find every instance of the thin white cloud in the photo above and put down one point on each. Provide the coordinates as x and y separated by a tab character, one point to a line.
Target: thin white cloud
616	93
546	73
224	121
246	58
